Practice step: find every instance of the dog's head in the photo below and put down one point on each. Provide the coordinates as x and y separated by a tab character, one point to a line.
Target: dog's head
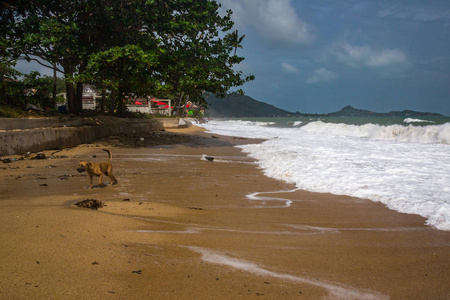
83	166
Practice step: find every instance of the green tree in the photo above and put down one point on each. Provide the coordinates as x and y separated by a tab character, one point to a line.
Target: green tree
38	90
47	32
235	40
64	34
125	70
11	89
150	46
196	60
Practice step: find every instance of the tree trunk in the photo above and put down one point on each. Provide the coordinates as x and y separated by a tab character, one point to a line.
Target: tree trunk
68	73
178	104
53	102
103	103
120	106
70	97
79	97
112	100
120	103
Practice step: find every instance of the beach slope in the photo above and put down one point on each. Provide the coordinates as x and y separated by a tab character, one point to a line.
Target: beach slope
180	226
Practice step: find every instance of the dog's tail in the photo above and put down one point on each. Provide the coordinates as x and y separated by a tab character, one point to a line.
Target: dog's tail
109	154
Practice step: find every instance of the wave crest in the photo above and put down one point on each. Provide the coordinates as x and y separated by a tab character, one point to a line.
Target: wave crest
411	120
430	134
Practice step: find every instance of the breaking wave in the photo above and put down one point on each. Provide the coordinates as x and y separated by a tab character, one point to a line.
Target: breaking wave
406	167
430	134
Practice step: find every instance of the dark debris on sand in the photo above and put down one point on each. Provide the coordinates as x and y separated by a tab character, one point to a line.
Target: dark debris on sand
90	203
147	139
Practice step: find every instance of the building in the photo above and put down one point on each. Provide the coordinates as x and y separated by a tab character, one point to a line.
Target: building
150	105
90	97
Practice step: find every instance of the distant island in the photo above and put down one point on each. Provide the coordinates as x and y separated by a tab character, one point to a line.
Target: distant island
245	107
349	111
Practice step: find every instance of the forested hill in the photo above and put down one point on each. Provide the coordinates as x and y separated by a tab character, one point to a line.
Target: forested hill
241	106
245	106
349	111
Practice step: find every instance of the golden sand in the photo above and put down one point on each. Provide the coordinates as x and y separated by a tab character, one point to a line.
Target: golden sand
179	227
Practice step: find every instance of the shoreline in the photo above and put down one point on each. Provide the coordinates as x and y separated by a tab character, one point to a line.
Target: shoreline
178	226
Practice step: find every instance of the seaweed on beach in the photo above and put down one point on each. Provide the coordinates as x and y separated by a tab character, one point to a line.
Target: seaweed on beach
90	203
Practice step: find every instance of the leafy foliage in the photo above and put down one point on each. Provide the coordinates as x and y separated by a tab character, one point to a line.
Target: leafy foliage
141	47
21	89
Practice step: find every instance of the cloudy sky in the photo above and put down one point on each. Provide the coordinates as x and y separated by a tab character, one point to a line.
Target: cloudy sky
319	56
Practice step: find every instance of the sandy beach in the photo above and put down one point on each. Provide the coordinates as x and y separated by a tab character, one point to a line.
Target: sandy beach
177	226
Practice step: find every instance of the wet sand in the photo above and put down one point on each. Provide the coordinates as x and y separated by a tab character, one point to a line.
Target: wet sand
179	227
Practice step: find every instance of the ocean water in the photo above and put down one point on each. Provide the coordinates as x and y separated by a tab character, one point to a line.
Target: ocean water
401	162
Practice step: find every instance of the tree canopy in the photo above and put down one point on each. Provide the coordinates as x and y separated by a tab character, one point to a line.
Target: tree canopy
139	47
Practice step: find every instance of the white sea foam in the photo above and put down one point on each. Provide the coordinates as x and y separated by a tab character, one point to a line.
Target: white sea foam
256	197
295	123
411	120
405	167
412	134
335	290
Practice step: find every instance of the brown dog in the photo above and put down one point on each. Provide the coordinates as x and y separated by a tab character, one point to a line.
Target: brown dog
98	169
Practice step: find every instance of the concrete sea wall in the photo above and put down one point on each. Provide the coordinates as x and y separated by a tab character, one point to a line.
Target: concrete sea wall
19	136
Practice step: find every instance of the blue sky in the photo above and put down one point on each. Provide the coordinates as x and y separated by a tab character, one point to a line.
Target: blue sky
319	56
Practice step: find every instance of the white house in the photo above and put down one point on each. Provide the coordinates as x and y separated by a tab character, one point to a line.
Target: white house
90	97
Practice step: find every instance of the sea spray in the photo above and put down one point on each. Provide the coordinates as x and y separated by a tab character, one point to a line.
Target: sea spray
439	134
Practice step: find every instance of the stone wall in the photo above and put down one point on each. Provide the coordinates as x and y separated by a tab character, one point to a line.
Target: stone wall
19	136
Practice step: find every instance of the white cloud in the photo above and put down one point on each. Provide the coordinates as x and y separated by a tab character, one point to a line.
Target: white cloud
288	68
322	75
275	21
387	58
414	12
366	56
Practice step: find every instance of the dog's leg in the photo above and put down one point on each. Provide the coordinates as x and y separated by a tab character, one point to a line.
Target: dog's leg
100	182
91	177
113	179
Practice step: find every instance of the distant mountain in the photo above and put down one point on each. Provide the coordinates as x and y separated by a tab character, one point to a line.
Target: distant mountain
349	111
241	106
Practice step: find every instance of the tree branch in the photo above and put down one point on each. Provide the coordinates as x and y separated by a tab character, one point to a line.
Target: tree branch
44	65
